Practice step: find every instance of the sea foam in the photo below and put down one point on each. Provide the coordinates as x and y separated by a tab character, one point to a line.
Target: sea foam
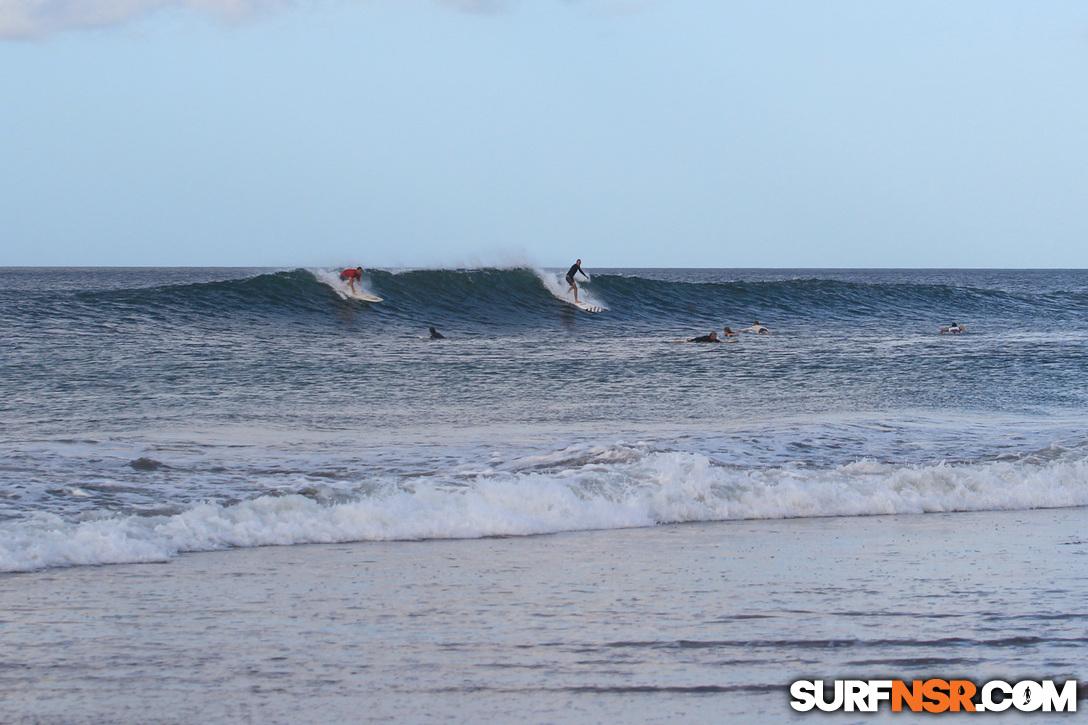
636	490
331	278
557	286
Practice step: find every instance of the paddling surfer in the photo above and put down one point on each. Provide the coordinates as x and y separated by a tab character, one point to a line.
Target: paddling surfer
712	337
756	328
576	268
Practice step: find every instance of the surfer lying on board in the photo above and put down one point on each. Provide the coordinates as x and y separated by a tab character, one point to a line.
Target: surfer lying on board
757	329
712	337
729	333
954	329
351	275
436	335
575	269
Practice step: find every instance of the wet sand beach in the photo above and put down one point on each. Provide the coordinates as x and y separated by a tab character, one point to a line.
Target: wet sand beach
691	623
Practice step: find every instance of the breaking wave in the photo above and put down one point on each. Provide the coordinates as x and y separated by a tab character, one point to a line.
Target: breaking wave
523	296
616	487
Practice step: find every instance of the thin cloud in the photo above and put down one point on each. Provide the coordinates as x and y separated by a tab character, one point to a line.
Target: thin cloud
30	19
480	7
623	7
36	19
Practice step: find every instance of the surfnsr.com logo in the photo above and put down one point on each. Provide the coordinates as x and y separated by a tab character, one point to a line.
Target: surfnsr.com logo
934	696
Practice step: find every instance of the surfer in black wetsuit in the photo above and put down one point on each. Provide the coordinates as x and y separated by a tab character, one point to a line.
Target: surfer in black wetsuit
436	335
712	337
576	269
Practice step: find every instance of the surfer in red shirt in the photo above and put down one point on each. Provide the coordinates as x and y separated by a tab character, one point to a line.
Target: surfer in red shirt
351	275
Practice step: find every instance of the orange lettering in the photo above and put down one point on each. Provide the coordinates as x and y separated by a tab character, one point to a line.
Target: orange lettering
913	696
961	692
934	690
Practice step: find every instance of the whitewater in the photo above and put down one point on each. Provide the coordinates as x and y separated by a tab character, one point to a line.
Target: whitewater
149	413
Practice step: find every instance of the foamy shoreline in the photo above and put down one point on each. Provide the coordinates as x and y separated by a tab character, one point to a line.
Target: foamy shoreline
610	487
636	625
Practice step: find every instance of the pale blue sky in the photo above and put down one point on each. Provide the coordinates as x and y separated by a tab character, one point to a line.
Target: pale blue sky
418	133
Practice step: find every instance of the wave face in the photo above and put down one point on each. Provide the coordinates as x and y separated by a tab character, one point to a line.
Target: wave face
647	298
151	412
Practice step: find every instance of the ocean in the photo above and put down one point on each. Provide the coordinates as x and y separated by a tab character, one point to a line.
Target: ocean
148	414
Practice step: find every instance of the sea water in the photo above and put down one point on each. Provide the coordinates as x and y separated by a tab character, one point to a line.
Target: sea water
692	623
148	412
559	516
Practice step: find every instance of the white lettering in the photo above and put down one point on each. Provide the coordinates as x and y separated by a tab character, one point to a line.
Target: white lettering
857	696
804	697
1065	701
822	703
879	690
988	699
866	695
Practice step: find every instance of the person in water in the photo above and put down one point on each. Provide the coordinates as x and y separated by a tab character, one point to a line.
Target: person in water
712	337
953	329
351	275
729	333
575	269
756	328
436	335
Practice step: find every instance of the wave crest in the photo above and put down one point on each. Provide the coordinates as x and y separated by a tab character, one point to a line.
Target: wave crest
586	490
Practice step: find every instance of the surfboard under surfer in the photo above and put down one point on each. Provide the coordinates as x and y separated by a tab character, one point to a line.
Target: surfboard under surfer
756	328
575	269
712	337
351	275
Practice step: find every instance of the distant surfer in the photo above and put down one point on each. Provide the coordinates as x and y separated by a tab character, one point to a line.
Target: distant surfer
712	337
436	335
575	269
351	276
953	329
757	329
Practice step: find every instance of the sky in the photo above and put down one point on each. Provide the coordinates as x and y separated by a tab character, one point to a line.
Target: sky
627	133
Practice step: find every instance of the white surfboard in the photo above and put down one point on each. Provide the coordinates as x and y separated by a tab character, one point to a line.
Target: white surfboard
586	306
363	297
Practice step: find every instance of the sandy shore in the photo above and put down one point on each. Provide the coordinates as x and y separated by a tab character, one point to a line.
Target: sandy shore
689	623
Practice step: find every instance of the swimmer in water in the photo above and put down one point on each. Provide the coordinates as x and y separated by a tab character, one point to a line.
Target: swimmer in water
729	333
953	329
436	335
